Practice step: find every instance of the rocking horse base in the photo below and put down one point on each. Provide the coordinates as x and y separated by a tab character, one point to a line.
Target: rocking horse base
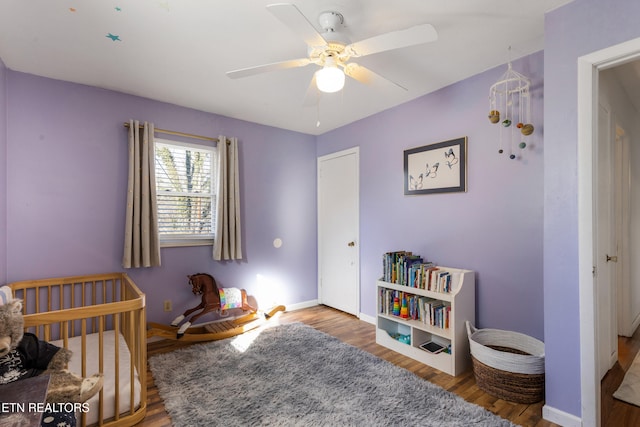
215	330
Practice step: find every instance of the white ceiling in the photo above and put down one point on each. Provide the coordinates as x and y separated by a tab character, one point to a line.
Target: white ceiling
178	51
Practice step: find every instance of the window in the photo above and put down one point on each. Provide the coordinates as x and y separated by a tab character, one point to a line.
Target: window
186	186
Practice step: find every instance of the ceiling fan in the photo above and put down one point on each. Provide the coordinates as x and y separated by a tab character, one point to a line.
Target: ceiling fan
332	50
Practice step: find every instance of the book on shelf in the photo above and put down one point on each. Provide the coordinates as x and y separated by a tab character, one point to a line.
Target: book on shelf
393	263
437	313
432	347
440	281
406	269
390	264
426	277
408	306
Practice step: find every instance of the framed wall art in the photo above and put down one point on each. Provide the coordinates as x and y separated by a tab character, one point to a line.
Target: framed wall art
436	168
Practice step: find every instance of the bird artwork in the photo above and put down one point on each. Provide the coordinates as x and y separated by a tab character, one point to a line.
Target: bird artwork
425	170
415	184
451	157
432	171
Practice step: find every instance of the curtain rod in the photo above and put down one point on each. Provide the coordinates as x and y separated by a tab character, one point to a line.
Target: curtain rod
172	132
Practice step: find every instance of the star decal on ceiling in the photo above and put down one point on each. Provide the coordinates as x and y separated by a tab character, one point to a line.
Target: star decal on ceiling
113	37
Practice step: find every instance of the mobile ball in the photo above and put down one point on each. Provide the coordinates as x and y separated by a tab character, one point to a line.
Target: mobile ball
513	156
527	129
506	123
501	151
522	145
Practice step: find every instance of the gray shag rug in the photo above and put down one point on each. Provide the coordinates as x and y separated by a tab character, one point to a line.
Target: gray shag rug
294	375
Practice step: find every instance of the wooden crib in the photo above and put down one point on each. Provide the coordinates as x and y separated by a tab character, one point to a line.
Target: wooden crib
102	319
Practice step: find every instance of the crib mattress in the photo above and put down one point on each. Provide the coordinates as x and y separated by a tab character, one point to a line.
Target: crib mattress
109	373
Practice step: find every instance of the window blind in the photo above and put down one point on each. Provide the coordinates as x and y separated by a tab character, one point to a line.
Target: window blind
185	188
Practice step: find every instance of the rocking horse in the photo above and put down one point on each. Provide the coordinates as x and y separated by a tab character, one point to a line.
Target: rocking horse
213	299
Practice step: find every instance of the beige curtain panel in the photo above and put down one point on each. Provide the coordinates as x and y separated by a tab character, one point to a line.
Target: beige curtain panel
228	240
141	241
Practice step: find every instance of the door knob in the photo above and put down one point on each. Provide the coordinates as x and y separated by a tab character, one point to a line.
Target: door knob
351	244
612	258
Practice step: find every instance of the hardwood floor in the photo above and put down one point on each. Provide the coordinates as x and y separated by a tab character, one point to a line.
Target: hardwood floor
362	335
615	413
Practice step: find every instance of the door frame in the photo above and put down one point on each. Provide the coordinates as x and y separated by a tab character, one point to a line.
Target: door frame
589	67
349	151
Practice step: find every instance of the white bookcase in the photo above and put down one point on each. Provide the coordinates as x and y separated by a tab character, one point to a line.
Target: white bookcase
462	302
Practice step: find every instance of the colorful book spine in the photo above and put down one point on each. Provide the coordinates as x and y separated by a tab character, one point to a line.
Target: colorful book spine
406	269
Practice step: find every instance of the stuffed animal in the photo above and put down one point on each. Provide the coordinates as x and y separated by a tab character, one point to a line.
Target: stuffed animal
23	355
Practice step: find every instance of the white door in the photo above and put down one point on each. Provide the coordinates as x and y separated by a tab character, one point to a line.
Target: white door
338	231
605	245
622	173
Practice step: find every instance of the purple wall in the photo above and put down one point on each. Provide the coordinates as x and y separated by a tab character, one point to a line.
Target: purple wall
3	173
574	30
66	194
495	228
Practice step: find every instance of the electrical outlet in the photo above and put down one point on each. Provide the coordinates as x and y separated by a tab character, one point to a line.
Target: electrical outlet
167	305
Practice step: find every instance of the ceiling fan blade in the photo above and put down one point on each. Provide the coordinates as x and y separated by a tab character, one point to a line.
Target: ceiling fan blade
366	76
252	71
291	16
418	34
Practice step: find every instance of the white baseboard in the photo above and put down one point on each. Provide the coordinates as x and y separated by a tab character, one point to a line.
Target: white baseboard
560	417
367	318
301	305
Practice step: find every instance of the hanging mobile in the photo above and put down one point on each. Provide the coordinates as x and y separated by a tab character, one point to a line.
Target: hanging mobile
510	105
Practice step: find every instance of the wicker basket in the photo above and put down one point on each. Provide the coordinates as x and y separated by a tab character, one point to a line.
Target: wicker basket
508	365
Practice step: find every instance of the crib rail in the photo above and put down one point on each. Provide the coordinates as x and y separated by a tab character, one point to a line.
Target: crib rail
63	308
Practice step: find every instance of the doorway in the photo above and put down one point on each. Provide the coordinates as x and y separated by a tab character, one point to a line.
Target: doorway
338	231
589	68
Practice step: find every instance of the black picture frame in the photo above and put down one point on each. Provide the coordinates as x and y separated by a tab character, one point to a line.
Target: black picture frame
436	168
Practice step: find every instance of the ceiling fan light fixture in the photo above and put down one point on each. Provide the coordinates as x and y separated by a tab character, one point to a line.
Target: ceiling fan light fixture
330	78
